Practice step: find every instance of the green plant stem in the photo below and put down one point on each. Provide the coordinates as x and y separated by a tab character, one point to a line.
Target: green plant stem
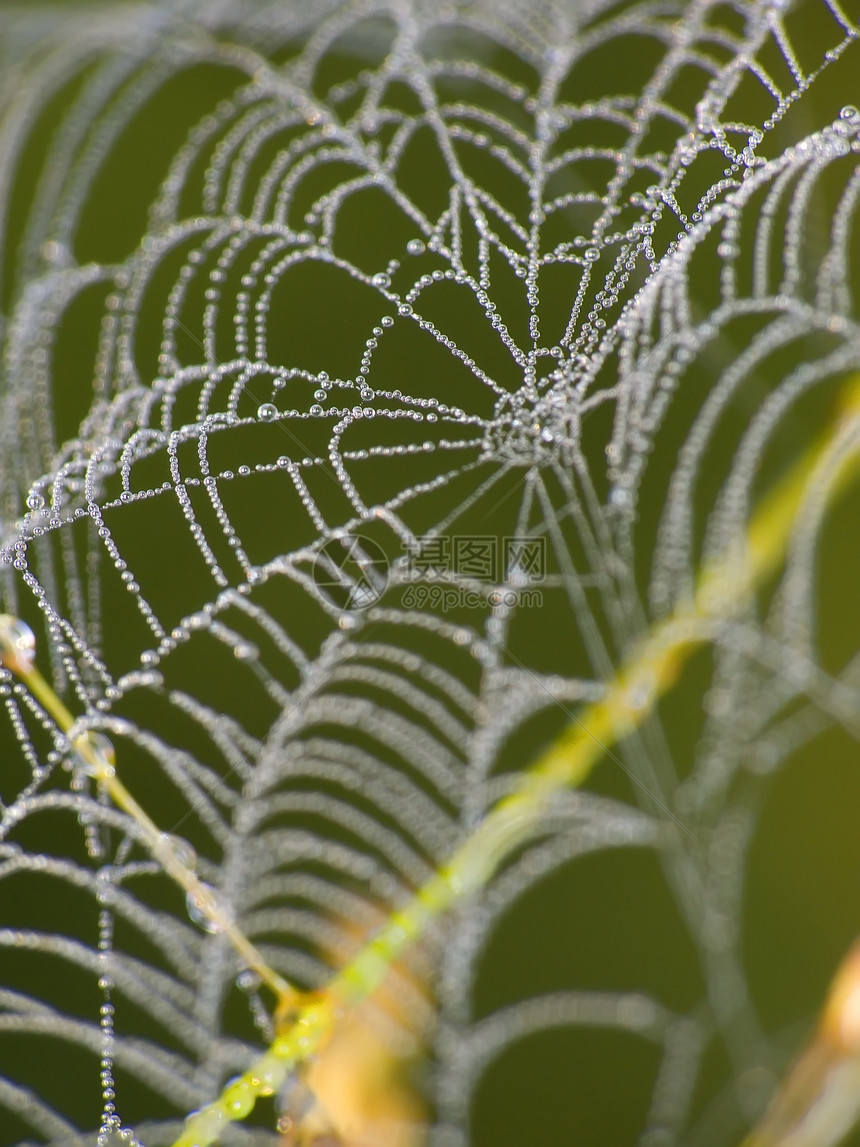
96	755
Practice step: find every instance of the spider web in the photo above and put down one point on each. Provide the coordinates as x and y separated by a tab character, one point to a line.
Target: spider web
334	334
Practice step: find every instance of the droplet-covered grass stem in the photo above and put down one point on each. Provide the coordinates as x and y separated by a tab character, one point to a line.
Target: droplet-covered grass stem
96	756
306	1023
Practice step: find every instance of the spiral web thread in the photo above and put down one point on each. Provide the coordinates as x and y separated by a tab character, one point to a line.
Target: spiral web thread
554	234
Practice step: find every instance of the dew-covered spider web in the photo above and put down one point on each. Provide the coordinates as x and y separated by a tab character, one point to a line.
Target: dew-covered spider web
374	376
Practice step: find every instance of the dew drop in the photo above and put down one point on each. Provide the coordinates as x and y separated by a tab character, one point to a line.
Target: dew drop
248	980
267	412
415	247
380	279
238	1098
17	643
97	755
181	850
203	907
105	886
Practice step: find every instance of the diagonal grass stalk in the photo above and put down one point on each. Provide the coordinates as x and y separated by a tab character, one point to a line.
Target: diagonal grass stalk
95	753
